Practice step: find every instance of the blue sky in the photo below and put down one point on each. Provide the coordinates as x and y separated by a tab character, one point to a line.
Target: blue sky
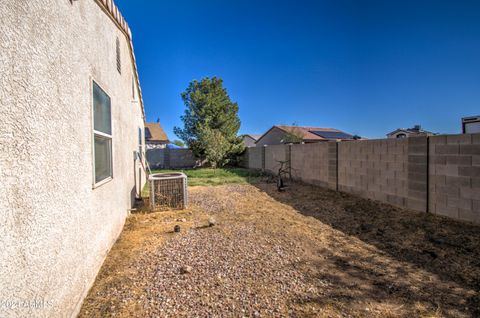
366	67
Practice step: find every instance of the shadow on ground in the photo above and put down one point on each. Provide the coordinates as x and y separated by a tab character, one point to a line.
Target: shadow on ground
382	253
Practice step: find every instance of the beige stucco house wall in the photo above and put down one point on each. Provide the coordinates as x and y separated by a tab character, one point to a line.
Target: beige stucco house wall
55	228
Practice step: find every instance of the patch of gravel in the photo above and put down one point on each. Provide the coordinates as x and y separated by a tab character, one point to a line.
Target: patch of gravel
224	272
211	202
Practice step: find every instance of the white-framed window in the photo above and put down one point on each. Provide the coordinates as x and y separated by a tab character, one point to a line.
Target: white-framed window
102	136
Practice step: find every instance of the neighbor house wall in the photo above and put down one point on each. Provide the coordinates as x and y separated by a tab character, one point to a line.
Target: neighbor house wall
248	141
436	174
55	228
274	136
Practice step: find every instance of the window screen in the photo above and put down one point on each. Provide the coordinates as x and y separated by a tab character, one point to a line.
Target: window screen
103	158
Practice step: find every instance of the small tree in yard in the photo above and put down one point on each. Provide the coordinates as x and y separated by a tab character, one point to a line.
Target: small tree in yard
211	122
293	135
179	143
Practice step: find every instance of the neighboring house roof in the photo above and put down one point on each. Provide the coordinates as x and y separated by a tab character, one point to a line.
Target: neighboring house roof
310	134
112	11
155	133
253	136
415	130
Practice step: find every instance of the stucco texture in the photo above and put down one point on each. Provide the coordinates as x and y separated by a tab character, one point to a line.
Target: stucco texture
55	229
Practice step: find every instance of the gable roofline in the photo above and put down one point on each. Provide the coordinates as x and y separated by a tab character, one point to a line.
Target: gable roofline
111	10
307	137
253	136
410	130
265	133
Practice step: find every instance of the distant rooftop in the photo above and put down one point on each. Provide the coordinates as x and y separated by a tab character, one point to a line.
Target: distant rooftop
155	133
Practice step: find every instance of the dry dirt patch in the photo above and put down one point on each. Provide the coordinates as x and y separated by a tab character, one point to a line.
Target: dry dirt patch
306	252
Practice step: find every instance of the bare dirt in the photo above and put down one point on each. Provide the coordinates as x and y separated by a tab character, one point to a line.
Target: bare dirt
305	252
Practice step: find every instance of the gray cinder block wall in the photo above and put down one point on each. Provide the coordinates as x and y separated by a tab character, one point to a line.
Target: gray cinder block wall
439	174
171	158
375	169
273	155
454	183
314	163
255	155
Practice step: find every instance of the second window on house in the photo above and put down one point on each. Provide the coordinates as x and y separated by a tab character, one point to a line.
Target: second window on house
102	131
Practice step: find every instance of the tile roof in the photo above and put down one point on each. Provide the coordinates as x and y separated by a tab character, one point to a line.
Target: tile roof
306	132
154	132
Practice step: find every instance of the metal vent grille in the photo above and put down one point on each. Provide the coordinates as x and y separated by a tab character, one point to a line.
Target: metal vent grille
168	191
119	60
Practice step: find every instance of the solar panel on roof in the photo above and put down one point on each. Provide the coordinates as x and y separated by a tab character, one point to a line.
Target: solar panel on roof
332	134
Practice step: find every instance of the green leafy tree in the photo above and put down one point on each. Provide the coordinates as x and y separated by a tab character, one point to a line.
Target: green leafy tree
211	122
294	135
178	143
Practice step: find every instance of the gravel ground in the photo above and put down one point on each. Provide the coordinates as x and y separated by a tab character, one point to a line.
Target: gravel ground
307	252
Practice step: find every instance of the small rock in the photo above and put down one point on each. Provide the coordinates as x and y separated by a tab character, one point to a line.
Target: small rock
186	269
182	220
176	229
211	221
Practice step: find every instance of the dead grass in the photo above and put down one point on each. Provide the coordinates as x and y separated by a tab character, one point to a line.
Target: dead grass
359	258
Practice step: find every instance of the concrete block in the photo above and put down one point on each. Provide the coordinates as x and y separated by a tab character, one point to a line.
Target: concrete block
422	140
475	183
417	168
448	190
475	160
421	177
417	186
473	172
438	159
448	170
460	203
469	215
446	211
439	199
438	140
459	160
446	149
459	139
470	149
417	150
470	193
417	205
438	179
417	159
418	195
457	181
476	205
